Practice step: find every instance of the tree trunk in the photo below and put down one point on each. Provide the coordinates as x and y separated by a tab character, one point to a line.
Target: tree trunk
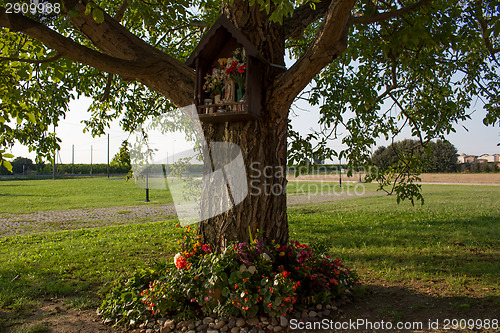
263	145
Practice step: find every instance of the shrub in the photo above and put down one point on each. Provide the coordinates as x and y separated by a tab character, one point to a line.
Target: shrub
248	279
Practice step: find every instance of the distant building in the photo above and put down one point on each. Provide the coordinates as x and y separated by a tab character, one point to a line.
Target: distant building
472	162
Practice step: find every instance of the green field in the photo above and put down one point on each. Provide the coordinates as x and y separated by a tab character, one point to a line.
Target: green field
26	196
450	244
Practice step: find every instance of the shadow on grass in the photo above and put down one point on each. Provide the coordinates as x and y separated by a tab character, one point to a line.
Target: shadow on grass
30	283
17	195
480	232
400	304
462	253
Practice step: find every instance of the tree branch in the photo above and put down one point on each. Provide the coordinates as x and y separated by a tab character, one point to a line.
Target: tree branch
484	29
304	15
108	36
121	11
109	81
388	15
329	43
34	61
176	79
61	44
107	89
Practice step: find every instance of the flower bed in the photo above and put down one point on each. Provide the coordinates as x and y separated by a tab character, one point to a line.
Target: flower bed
245	280
248	279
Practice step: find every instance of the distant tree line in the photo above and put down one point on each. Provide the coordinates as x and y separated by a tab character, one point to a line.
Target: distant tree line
439	156
22	165
116	166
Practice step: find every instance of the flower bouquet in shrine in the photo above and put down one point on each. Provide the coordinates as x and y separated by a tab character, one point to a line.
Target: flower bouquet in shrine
236	69
214	83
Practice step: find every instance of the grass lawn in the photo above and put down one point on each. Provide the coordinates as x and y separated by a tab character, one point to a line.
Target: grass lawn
26	196
454	237
447	248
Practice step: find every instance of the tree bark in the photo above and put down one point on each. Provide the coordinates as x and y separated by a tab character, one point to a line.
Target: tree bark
263	144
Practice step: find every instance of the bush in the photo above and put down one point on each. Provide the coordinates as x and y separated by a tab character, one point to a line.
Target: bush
122	305
246	280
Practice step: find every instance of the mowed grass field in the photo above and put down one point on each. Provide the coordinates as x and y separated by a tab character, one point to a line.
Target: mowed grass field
27	196
449	247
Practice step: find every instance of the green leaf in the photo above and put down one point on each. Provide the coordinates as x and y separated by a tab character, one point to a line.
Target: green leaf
98	15
88	8
31	118
7	165
7	155
225	292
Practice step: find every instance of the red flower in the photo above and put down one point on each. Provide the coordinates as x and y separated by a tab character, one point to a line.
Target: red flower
242	69
232	68
180	262
206	248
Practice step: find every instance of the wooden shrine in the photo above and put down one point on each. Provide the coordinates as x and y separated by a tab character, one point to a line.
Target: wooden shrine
229	71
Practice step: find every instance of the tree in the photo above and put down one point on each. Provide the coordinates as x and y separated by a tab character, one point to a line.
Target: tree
439	156
22	164
425	59
122	158
444	157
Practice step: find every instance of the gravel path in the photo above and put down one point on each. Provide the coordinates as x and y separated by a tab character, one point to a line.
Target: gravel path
71	219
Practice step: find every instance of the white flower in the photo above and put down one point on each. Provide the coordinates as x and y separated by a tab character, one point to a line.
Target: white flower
266	257
252	269
276	282
242	294
177	257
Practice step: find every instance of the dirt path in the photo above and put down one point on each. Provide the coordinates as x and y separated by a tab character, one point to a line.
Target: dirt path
429	178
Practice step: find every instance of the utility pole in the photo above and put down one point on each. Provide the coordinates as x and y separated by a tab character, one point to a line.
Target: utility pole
54	160
173	157
72	159
147	184
340	174
108	156
91	156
